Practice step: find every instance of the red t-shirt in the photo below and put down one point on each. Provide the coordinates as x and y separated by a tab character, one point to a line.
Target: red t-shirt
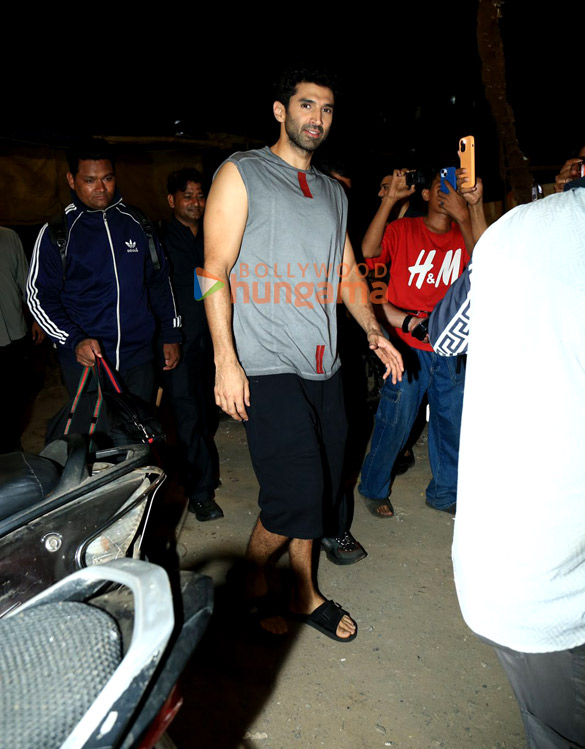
422	267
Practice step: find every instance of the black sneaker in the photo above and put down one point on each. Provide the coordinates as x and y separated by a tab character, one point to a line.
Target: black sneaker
403	462
208	510
344	549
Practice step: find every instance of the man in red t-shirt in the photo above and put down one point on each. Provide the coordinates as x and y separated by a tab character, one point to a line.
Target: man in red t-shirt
426	255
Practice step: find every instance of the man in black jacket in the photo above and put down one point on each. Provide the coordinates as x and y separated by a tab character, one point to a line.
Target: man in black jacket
190	385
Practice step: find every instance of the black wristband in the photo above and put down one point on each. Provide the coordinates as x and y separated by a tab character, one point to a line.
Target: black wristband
421	330
406	322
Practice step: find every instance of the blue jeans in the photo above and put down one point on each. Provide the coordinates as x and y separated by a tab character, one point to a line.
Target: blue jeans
437	376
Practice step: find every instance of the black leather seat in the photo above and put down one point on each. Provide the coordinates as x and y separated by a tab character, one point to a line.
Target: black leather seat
24	480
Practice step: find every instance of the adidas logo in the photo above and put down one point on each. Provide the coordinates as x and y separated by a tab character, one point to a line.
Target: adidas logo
205	284
131	245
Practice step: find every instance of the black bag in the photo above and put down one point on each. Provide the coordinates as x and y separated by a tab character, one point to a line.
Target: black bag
109	415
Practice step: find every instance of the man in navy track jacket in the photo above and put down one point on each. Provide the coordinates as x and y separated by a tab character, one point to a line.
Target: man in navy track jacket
106	297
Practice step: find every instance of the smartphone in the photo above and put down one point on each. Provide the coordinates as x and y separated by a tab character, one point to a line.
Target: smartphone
537	192
467	158
448	175
415	178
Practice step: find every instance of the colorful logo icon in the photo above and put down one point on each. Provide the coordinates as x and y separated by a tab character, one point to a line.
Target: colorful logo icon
205	284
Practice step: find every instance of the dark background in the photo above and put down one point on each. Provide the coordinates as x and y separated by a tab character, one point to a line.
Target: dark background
410	73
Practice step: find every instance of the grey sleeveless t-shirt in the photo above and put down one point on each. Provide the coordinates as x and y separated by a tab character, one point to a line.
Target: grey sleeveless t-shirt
284	284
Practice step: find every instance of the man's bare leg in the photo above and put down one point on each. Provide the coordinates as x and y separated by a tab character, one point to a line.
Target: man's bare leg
305	596
261	546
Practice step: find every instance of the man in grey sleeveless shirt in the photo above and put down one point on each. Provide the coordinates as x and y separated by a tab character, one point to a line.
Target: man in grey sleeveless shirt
275	235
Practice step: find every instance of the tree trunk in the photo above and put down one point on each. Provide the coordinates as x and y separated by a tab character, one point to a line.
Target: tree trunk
493	72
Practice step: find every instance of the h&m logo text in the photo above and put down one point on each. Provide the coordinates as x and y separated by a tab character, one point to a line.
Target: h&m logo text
448	273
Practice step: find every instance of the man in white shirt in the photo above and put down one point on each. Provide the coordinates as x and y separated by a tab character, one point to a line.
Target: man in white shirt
519	542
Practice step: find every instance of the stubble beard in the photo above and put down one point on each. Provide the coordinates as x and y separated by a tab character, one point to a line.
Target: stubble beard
300	140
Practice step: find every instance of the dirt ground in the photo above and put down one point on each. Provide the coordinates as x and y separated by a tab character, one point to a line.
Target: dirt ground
414	678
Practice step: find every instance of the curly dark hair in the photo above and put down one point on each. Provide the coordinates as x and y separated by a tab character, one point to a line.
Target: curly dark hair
290	78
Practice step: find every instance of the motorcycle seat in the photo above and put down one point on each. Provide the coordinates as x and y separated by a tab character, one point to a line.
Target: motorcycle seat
26	479
54	659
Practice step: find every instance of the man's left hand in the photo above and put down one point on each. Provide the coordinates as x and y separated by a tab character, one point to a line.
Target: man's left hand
388	355
569	172
172	354
38	334
453	204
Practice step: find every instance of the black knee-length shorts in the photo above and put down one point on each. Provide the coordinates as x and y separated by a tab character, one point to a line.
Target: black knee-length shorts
296	433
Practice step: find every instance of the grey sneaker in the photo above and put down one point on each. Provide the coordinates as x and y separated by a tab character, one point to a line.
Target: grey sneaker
344	549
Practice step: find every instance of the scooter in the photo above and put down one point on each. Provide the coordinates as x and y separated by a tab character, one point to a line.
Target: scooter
66	509
81	669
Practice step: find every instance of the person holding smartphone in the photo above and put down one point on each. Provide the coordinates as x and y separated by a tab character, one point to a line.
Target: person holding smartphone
572	169
426	255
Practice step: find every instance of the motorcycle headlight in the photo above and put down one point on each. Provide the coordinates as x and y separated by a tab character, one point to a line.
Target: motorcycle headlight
114	540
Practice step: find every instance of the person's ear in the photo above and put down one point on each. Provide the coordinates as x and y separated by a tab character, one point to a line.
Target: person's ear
279	111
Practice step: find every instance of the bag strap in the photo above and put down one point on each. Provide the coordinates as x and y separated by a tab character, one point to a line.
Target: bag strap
101	362
98	405
80	389
148	435
96	411
59	235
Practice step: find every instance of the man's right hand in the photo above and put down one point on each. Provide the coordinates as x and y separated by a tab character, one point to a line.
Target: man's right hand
86	352
398	188
232	391
472	195
569	172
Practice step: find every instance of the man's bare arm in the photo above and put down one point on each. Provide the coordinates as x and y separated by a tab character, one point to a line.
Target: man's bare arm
474	199
372	241
224	223
395	317
356	297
